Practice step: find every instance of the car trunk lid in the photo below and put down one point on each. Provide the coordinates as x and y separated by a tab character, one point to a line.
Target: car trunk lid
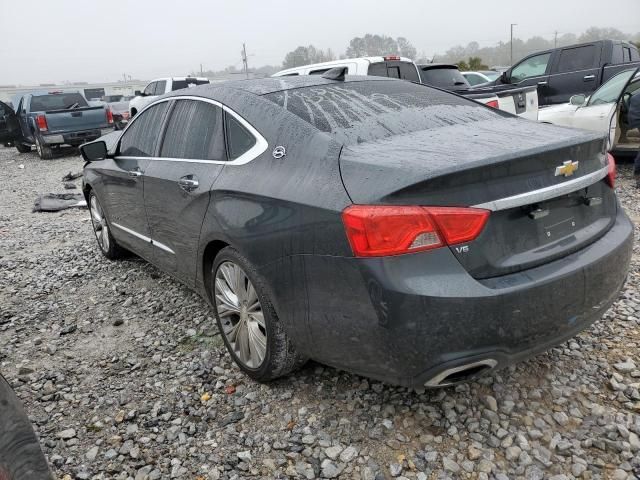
513	167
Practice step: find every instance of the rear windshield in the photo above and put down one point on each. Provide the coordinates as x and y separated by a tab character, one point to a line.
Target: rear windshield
394	69
444	78
57	101
356	112
189	82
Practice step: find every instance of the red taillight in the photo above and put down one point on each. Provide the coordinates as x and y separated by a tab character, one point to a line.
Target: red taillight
492	104
109	116
611	173
41	122
389	58
380	230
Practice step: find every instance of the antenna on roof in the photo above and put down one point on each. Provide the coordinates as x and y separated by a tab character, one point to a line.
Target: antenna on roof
336	73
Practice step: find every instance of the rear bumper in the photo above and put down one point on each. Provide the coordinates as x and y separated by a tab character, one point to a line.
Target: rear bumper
76	138
406	319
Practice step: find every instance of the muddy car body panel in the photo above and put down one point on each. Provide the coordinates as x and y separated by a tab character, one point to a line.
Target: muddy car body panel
549	259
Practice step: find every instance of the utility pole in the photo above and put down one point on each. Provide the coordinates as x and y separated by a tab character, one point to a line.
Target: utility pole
200	69
555	39
244	60
511	42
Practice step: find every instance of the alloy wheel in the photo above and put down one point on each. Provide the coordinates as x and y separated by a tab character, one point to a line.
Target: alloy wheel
99	222
240	314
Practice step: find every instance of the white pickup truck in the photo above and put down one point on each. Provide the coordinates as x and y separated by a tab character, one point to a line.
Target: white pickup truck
160	86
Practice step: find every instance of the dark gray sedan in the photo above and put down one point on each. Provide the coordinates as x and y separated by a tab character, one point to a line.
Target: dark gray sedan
376	225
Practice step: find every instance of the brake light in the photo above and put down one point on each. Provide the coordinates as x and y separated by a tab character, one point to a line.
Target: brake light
41	122
611	173
390	58
109	116
380	230
492	104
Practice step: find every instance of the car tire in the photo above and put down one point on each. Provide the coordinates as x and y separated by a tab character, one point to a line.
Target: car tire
107	244
44	151
249	326
23	148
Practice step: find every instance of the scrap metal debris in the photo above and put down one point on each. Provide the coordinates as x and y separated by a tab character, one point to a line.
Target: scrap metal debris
71	176
53	202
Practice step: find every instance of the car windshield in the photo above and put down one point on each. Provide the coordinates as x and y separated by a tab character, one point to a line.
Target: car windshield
57	101
610	91
356	112
443	78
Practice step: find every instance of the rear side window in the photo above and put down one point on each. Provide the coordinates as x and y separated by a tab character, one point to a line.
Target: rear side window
160	87
58	101
403	70
193	132
239	140
362	111
141	137
579	58
189	82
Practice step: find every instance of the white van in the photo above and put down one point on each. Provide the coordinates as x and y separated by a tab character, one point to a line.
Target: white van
390	66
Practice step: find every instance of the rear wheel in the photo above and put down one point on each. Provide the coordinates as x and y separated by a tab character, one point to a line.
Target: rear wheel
22	148
44	150
108	245
247	320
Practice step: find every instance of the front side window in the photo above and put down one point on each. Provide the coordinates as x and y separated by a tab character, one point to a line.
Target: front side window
193	132
140	139
579	58
531	67
239	139
610	91
150	89
319	72
160	87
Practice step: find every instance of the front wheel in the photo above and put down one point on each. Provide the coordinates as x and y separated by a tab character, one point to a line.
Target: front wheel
108	245
44	151
247	320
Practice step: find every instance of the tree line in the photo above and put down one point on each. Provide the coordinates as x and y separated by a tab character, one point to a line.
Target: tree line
469	57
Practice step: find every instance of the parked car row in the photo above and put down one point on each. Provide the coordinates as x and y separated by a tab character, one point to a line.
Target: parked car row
518	101
377	225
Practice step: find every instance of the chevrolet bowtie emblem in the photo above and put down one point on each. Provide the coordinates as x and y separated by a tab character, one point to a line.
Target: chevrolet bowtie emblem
567	168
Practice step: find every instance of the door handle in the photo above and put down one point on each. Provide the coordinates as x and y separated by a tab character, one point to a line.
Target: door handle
542	84
589	77
135	173
188	183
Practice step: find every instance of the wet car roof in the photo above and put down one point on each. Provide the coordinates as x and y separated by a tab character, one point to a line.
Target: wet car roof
264	86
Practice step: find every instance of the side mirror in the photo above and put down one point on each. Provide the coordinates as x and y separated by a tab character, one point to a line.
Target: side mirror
578	100
138	93
94	151
504	77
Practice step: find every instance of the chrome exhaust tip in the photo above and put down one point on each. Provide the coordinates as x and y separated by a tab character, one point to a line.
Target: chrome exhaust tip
461	373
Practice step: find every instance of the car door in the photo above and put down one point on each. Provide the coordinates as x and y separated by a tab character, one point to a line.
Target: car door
9	126
121	188
178	182
575	70
23	120
533	71
597	113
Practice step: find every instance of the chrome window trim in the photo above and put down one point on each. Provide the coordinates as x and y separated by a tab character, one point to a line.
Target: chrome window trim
546	193
144	238
258	149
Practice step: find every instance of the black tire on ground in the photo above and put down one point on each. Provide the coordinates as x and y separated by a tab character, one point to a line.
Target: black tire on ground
101	229
44	151
22	148
281	358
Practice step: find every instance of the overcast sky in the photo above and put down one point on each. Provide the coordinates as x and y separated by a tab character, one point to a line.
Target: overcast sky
80	40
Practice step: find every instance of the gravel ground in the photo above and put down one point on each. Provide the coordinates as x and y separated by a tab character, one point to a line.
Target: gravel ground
125	376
